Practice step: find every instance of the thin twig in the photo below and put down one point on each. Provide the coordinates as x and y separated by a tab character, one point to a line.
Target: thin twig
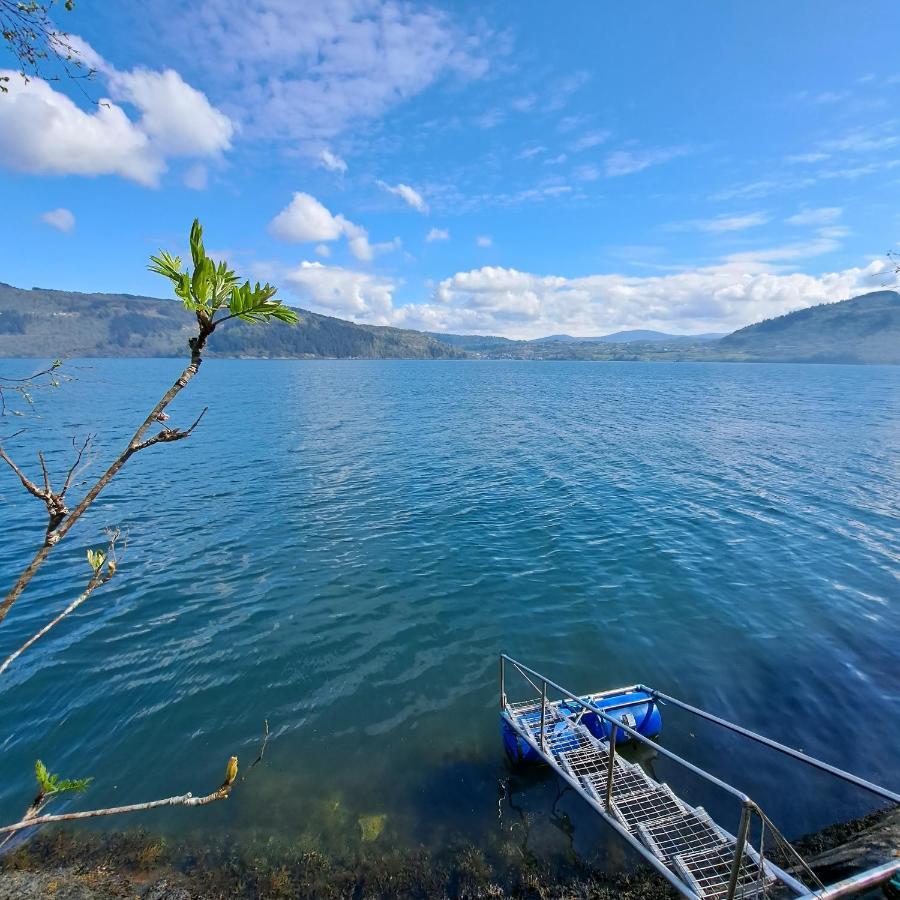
262	750
81	451
170	434
100	577
29	485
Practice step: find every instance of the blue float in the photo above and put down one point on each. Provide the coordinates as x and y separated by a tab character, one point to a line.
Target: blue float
637	710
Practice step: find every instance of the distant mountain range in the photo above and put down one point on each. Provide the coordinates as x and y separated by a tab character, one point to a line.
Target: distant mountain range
628	337
49	323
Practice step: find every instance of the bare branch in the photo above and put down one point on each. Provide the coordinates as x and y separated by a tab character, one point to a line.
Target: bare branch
80	453
52	368
221	793
262	750
47	490
167	435
29	485
100	577
62	525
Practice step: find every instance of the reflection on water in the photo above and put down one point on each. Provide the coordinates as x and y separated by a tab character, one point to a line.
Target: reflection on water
344	548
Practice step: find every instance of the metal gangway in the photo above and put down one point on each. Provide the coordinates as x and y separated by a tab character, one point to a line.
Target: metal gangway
682	842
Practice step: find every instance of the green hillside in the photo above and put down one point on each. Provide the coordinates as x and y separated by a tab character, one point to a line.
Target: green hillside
48	323
865	329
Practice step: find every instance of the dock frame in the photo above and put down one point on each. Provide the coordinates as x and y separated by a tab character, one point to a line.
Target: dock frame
695	855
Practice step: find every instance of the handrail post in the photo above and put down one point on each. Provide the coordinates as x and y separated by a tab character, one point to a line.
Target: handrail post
613	733
743	831
502	682
543	711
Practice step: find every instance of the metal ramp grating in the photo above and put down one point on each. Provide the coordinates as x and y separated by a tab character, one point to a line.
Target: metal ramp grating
655	802
682	837
708	872
686	833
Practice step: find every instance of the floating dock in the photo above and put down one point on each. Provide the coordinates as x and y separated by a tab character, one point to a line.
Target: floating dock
578	735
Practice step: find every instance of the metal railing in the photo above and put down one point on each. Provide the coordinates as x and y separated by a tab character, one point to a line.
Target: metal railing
749	809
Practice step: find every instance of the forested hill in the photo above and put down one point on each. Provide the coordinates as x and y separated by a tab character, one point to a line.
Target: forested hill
48	323
865	329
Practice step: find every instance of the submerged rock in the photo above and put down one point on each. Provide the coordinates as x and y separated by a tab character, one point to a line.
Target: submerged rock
370	827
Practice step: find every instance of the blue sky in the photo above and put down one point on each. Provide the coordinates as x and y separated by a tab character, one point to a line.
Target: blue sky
518	169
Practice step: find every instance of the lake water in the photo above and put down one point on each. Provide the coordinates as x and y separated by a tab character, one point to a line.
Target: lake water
344	548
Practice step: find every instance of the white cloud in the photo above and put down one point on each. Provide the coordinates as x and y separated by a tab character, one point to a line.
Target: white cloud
305	220
529	152
494	300
491	119
720	224
591	139
807	157
42	131
323	250
409	195
831	96
62	219
356	295
824	215
587	173
332	161
524	104
437	234
196	177
178	119
484	240
344	63
627	162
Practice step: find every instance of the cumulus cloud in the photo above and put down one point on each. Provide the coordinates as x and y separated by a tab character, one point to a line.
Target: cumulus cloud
437	234
356	295
494	300
43	131
61	219
178	119
349	62
332	161
409	195
306	220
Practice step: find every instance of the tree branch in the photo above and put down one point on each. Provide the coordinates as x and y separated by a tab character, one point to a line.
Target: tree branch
100	577
29	485
170	434
68	519
221	793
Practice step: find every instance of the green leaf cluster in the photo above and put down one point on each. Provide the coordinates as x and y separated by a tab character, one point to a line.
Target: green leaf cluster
95	559
49	784
209	288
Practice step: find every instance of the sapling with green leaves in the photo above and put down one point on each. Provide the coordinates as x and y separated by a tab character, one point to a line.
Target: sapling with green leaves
215	295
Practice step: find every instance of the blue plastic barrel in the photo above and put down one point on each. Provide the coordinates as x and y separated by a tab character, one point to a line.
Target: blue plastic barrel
642	714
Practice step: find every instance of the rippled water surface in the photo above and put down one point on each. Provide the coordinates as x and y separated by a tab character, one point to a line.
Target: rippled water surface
344	548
